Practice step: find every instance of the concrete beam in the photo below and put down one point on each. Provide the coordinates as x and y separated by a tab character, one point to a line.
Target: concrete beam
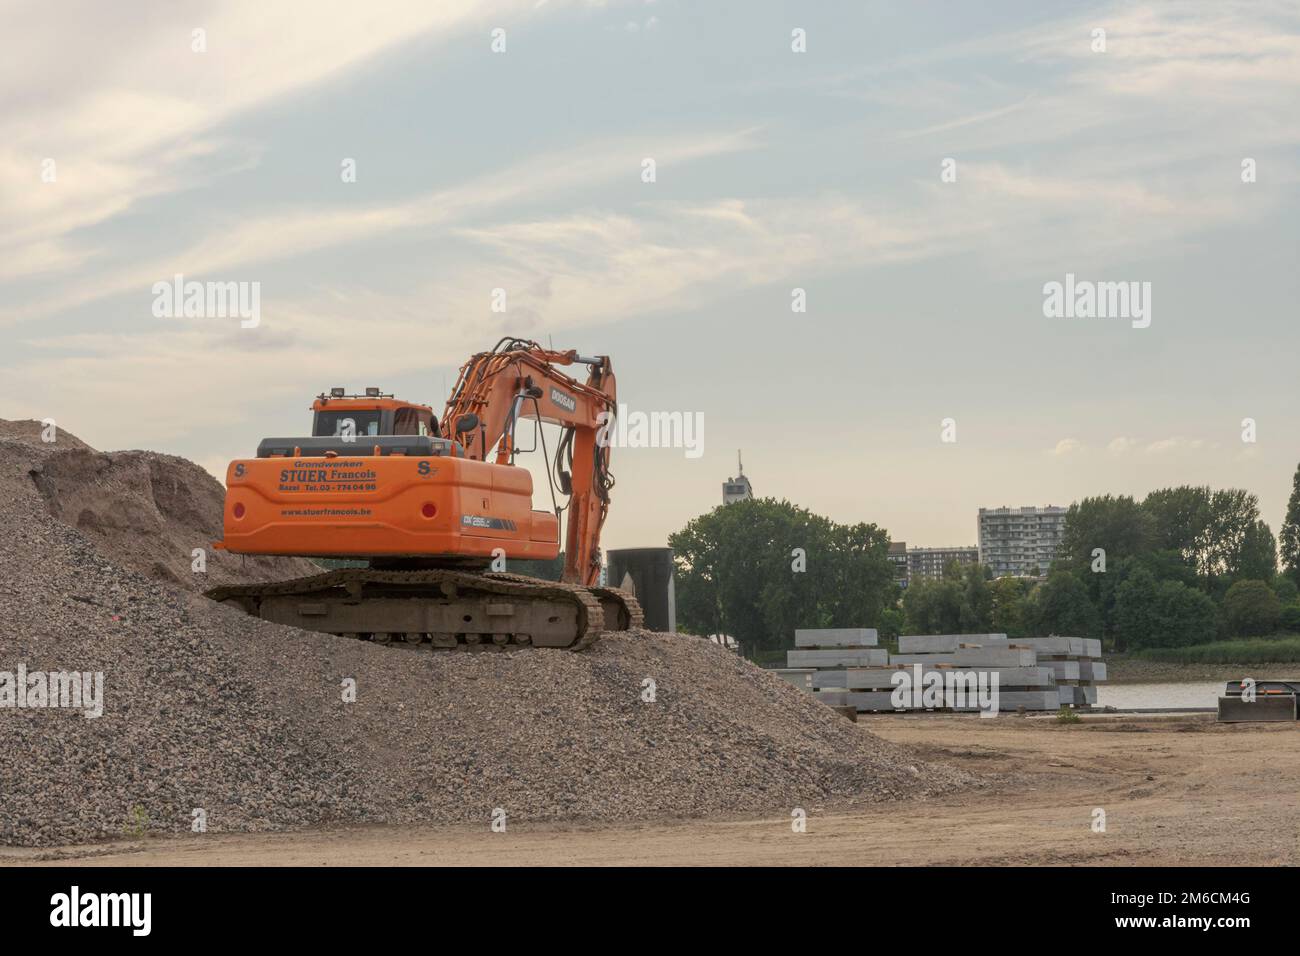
974	657
836	637
1064	670
1081	647
830	679
1007	702
1094	671
880	678
1073	695
801	677
831	657
942	643
1057	646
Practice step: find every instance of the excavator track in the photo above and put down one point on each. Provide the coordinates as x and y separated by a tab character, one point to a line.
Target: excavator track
622	610
440	609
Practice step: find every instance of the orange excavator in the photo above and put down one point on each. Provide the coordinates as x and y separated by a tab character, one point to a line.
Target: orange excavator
429	520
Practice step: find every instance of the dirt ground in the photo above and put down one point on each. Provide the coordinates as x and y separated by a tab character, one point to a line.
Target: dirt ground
1176	791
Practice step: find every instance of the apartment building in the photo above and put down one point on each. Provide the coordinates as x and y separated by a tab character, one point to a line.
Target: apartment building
928	563
1020	542
898	558
918	564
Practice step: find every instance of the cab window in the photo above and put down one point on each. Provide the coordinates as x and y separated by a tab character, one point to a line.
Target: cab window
410	421
337	424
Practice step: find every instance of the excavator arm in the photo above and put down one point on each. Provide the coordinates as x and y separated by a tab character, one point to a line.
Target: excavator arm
519	379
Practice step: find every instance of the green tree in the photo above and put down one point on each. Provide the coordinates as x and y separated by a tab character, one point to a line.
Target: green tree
1151	613
1181	521
1234	533
759	569
1136	619
1162	565
1007	611
1218	533
1062	605
1186	616
853	581
1167	564
1289	539
1251	609
1121	528
933	607
1256	559
977	599
1159	565
1118	525
1286	590
891	624
723	563
961	602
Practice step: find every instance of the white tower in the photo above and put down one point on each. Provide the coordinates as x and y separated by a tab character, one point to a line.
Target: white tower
738	488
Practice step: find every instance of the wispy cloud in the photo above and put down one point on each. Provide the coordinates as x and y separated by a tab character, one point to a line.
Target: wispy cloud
962	121
1178	80
139	114
577	270
1167	445
243	241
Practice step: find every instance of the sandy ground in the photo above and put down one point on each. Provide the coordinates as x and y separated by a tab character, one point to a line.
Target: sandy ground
1176	791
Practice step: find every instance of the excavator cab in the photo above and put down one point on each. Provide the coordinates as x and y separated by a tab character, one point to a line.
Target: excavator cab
339	415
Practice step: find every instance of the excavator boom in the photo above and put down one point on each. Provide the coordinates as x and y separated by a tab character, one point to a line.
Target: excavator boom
519	379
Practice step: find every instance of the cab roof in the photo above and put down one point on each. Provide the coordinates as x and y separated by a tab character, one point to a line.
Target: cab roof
356	403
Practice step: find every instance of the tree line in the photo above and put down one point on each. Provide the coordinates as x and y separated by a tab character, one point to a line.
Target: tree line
1182	566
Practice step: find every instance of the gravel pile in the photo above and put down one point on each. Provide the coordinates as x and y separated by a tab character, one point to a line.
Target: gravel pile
206	708
144	511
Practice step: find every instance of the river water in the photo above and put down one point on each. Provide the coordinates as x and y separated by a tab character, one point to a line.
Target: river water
1153	696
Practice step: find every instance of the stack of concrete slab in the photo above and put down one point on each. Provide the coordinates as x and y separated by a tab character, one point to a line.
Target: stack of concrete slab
822	656
844	667
835	647
1075	661
1022	682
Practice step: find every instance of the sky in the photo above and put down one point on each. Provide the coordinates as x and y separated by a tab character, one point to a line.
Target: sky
920	170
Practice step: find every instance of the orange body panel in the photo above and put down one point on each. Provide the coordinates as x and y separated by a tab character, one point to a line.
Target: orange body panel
364	506
359	404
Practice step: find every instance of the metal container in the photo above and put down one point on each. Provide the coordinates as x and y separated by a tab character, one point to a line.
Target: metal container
650	573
